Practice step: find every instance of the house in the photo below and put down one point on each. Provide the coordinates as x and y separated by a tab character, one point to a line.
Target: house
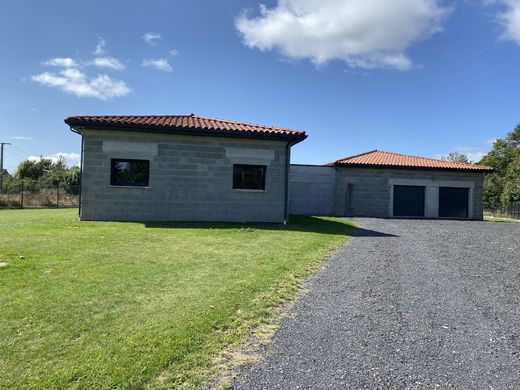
192	168
384	184
183	168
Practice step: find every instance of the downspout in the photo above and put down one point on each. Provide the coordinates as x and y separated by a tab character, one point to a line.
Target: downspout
81	175
80	168
287	167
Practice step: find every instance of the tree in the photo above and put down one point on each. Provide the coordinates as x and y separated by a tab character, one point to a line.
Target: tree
511	190
30	170
47	172
56	173
501	185
514	136
457	157
6	181
73	177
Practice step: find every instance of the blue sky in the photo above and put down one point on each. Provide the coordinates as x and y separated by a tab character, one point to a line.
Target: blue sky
422	77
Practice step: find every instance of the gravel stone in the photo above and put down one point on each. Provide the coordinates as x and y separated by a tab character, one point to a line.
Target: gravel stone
407	304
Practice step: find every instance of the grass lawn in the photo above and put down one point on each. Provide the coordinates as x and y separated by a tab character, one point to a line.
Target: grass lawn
490	218
133	305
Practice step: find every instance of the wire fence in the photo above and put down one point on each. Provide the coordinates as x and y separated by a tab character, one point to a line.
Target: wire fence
499	210
34	195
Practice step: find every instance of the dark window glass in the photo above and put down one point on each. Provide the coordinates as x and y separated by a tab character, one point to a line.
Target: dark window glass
130	173
249	177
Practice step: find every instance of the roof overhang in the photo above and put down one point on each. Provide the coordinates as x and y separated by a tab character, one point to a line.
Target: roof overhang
78	126
482	169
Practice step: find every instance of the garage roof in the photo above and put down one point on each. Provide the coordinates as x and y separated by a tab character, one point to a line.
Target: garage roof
381	159
183	124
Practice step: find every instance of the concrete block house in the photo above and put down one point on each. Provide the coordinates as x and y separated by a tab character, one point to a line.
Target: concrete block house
192	168
183	168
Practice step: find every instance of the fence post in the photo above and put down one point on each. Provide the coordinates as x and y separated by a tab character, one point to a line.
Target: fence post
57	196
21	195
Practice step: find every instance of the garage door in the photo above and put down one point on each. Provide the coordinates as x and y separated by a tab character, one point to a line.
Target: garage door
453	202
408	201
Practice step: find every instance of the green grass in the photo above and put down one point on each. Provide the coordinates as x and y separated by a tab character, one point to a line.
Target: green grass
490	218
133	305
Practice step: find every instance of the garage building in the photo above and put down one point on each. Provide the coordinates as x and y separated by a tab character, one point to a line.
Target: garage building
384	184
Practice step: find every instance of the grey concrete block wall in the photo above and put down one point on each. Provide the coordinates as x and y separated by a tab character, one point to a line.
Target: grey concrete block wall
311	190
370	191
190	178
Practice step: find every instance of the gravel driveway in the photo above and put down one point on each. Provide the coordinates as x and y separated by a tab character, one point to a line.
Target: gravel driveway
406	304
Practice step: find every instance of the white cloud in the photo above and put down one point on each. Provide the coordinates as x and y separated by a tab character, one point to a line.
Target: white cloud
151	38
71	159
20	138
174	53
71	79
64	62
474	153
75	82
158	63
107	62
362	33
104	61
100	47
510	19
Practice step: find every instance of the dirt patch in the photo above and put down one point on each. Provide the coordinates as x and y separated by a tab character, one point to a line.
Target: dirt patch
3	263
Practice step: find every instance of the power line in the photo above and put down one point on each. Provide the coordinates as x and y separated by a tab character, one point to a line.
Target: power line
16	153
20	150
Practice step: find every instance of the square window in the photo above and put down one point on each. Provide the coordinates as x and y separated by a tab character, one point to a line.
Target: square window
129	172
249	177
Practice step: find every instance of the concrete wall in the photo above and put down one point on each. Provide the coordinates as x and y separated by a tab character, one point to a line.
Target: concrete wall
190	178
369	191
311	190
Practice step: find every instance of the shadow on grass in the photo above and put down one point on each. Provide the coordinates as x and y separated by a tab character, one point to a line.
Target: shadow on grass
296	224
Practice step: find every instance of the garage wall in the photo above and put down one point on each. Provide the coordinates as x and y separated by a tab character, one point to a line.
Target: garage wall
369	191
311	190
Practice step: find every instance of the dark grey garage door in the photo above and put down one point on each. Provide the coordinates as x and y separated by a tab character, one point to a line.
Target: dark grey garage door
408	201
453	202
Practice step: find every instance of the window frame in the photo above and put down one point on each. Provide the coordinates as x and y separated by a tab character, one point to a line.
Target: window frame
256	166
128	184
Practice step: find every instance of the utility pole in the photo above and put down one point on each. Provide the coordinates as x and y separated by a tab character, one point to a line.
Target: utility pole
2	165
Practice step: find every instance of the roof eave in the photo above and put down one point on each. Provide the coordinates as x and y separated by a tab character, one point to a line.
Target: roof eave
81	125
379	166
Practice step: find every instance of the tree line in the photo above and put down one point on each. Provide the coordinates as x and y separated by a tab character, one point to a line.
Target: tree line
502	186
44	172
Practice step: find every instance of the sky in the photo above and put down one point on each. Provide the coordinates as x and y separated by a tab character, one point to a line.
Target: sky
421	77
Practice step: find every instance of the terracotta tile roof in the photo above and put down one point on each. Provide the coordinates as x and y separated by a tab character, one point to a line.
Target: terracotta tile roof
190	124
378	158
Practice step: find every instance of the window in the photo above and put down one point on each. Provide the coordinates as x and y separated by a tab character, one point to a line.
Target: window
249	177
130	172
